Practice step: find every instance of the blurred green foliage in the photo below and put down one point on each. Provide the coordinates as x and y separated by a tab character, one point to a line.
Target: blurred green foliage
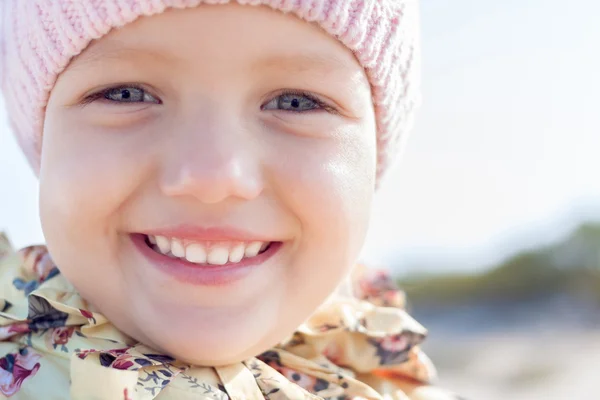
570	268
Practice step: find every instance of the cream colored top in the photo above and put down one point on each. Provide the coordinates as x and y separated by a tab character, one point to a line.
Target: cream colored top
54	346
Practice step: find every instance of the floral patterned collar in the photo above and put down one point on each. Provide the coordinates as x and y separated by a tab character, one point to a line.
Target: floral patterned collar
333	355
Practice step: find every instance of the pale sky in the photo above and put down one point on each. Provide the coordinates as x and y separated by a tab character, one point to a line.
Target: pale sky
505	150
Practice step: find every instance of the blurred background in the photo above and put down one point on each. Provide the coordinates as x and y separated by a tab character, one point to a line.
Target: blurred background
491	221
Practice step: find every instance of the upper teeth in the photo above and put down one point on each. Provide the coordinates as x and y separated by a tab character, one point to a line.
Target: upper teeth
216	253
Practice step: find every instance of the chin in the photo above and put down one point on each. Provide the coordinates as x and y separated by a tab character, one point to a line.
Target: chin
201	351
212	345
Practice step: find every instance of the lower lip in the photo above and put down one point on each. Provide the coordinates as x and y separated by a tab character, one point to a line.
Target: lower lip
203	275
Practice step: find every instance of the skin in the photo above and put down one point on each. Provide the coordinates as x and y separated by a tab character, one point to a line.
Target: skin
209	149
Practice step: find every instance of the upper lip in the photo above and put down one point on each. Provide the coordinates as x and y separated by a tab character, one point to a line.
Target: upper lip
213	233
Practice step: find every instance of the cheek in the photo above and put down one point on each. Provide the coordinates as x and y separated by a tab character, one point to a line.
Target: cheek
84	180
328	185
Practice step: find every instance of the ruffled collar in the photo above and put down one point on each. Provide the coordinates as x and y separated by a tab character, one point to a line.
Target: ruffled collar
343	345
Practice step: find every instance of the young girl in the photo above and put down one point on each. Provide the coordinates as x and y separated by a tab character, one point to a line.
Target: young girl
206	174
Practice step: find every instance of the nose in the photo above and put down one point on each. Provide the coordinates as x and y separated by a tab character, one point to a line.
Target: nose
212	161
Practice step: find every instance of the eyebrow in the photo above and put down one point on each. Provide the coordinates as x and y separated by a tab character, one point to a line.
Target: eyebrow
291	63
95	54
303	62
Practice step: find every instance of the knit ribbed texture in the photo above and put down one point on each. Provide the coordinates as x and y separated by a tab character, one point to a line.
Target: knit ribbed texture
38	38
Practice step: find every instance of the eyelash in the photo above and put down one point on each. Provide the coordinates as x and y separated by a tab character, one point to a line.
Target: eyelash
320	103
101	95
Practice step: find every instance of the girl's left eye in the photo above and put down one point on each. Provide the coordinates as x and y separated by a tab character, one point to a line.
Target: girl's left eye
296	102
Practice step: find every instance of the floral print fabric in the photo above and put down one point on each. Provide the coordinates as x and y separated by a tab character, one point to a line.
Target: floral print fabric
53	346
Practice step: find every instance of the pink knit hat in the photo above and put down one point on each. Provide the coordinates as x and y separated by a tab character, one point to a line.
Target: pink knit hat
38	38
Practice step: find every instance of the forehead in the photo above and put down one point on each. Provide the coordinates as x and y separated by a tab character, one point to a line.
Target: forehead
255	37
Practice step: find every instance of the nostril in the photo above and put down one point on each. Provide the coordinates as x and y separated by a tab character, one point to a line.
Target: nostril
214	182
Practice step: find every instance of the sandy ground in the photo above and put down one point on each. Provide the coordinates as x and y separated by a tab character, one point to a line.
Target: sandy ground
556	365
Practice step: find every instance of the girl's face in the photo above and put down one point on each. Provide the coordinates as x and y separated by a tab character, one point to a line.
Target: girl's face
238	139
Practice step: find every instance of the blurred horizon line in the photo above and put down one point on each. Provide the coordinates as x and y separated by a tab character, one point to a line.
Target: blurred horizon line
433	260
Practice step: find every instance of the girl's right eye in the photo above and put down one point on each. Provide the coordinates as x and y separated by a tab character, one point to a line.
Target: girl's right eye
124	94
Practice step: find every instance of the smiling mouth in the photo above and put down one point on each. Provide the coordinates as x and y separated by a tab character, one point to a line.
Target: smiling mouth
207	252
